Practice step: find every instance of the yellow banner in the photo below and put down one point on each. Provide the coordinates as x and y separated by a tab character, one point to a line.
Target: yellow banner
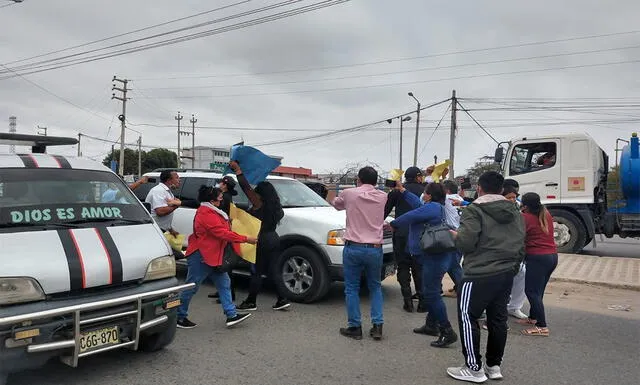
396	174
439	169
245	224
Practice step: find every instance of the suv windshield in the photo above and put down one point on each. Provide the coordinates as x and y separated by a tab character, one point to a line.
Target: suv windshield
295	194
59	198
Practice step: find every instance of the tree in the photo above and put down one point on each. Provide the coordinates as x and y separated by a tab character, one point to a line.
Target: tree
614	192
481	166
349	173
159	158
156	158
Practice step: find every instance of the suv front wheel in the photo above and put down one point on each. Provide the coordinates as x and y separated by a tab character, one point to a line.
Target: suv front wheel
301	275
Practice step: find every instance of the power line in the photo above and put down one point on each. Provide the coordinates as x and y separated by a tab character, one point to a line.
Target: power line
478	123
401	59
399	83
128	33
394	72
434	131
32	67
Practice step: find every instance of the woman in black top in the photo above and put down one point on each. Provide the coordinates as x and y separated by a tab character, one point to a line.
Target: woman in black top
266	206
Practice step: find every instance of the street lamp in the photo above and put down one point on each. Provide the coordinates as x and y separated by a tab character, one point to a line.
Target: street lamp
415	149
402	119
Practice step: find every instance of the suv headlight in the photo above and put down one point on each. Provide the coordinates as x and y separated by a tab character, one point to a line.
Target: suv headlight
19	290
336	237
163	267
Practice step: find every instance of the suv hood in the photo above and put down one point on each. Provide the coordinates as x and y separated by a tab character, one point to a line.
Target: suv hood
325	216
75	259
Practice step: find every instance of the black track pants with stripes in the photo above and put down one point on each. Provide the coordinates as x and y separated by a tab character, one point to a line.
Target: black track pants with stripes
475	295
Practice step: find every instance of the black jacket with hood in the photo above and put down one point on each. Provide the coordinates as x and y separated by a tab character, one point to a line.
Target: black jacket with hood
491	237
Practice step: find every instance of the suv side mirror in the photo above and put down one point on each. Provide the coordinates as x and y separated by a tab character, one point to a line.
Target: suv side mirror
498	157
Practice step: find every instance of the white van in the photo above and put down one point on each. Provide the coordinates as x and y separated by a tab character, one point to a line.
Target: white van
311	233
83	267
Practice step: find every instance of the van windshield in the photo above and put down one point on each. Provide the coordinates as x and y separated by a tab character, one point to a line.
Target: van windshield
295	194
43	199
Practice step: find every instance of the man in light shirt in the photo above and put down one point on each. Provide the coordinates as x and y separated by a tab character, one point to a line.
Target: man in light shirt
163	202
363	250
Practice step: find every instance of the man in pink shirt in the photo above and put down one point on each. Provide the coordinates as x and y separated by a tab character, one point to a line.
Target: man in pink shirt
363	250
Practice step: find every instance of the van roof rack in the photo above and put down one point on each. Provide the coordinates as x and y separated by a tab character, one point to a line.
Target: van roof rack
38	143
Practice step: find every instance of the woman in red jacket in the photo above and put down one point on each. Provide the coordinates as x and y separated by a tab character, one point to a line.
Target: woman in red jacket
541	260
211	234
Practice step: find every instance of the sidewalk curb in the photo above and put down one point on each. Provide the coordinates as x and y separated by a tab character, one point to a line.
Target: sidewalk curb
596	283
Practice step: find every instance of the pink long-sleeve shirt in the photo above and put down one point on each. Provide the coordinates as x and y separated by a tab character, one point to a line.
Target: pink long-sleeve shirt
365	213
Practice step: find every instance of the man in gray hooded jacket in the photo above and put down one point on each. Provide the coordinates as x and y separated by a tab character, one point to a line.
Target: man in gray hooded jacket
491	237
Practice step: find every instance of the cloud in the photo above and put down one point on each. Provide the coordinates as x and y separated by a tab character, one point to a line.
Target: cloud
267	76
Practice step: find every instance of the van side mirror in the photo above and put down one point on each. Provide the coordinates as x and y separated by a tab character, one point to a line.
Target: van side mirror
498	157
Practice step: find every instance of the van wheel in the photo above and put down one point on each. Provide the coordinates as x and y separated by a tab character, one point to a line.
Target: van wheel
301	275
157	341
568	231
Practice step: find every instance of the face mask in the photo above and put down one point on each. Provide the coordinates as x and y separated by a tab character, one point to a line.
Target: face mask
217	185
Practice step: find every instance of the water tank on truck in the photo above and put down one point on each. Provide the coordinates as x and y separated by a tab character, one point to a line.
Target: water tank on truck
626	212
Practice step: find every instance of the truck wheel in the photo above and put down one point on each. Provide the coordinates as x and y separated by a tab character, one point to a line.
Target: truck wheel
568	231
157	341
301	275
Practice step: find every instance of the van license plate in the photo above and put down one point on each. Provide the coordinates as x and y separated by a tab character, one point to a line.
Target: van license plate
97	339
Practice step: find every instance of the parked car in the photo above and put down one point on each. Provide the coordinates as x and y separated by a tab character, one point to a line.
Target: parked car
311	233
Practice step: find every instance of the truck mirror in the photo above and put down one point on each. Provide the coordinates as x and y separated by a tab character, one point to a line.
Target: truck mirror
498	157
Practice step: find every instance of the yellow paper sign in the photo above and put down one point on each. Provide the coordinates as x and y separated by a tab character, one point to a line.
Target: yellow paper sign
396	174
245	224
438	170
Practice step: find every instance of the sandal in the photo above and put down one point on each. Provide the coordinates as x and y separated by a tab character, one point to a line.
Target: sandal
526	321
536	331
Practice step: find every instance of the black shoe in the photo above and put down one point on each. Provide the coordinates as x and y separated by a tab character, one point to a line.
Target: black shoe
422	308
282	304
237	319
186	324
408	305
214	295
447	337
376	332
246	305
427	329
354	332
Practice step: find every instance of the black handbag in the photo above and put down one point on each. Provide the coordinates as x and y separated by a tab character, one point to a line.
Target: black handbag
437	239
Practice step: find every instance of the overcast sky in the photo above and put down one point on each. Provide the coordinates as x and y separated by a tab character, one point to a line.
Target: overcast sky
275	75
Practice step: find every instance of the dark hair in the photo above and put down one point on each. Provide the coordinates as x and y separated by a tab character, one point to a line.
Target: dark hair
165	175
208	193
271	206
450	186
511	183
509	189
491	182
533	204
436	190
368	175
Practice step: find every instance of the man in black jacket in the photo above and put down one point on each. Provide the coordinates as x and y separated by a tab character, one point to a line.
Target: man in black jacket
407	264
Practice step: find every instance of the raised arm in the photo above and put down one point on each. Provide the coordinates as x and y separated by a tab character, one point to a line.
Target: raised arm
254	198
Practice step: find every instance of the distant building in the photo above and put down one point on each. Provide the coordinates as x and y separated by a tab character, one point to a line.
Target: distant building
293	172
211	158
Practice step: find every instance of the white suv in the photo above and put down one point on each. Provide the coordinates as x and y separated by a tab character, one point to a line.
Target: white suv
311	233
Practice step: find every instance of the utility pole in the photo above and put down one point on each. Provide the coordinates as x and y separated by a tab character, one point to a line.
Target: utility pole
415	147
42	128
122	117
139	156
452	136
179	118
79	152
193	140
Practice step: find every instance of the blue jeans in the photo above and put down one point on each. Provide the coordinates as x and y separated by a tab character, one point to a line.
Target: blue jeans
434	267
358	259
198	272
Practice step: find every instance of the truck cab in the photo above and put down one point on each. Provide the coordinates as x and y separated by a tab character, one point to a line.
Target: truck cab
84	268
569	172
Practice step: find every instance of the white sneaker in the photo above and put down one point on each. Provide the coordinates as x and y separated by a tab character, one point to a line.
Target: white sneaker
493	372
465	374
518	314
